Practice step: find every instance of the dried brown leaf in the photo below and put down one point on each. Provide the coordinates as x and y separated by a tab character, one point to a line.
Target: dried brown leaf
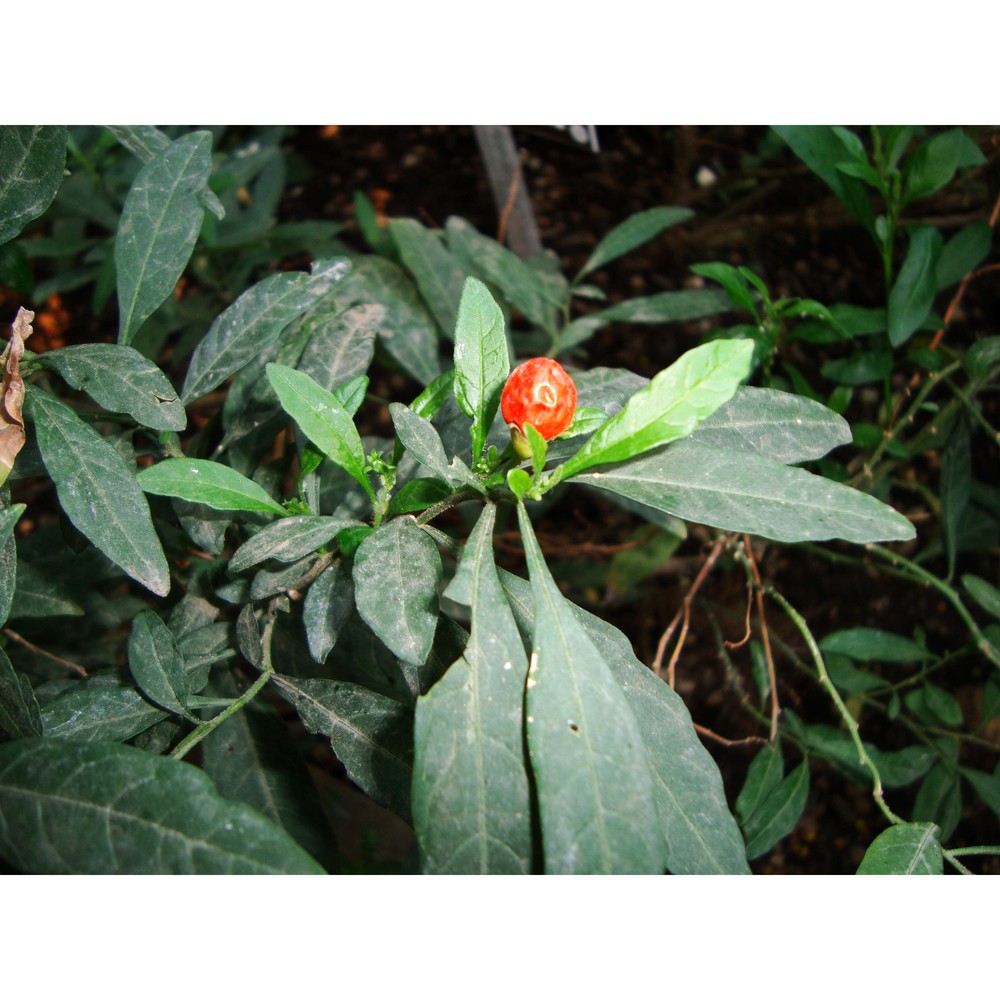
12	393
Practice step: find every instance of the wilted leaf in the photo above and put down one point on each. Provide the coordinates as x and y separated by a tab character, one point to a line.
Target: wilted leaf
12	393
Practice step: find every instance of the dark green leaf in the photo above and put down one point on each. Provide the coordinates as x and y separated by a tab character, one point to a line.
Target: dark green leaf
37	594
482	363
471	797
436	272
939	799
418	495
906	849
211	483
955	487
596	796
778	813
95	808
254	322
328	605
763	777
422	441
865	365
913	293
397	570
670	407
157	665
935	161
633	232
668	307
987	787
371	734
732	281
982	356
19	714
869	645
98	491
159	226
288	540
984	594
778	425
748	493
341	345
100	712
323	421
963	253
122	380
32	158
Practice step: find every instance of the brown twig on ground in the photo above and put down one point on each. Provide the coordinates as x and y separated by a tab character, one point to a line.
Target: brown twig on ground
684	614
508	207
11	634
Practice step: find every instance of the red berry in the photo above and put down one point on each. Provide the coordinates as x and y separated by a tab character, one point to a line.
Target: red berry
540	393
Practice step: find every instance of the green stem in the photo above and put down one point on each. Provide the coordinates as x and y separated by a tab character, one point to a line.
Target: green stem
845	715
447	503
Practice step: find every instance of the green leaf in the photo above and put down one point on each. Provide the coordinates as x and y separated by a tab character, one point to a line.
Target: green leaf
159	227
955	487
341	345
288	540
32	158
534	293
778	813
732	281
987	787
436	272
417	495
939	799
982	356
252	757
519	483
670	407
668	307
371	733
329	603
121	380
198	480
934	162
763	777
633	232
19	715
913	293
482	363
777	425
471	796
323	421
539	449
700	833
254	322
98	491
748	493
430	401
397	571
422	441
863	366
99	712
906	849
94	808
407	333
963	253
596	797
157	665
868	645
984	594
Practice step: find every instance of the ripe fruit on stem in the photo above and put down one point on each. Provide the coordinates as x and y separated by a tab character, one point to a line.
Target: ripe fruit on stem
539	392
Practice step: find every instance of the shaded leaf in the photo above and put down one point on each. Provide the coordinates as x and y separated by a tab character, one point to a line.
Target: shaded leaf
328	605
198	480
763	777
422	441
32	158
94	808
98	491
287	540
99	712
872	644
905	849
939	799
156	664
19	715
158	228
913	292
984	594
122	380
633	232
341	345
778	813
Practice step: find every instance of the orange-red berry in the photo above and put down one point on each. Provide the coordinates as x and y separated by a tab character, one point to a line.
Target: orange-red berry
539	392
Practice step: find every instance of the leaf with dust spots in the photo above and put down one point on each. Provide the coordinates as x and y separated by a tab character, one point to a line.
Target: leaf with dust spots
12	393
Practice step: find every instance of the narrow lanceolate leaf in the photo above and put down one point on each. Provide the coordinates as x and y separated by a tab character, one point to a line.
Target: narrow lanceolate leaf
288	540
436	272
955	487
471	798
98	491
371	733
158	228
323	421
778	425
482	363
19	715
596	797
633	232
905	849
748	493
422	441
157	665
101	713
254	322
122	380
699	832
32	158
68	807
670	407
328	605
397	570
984	594
778	813
913	293
211	483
